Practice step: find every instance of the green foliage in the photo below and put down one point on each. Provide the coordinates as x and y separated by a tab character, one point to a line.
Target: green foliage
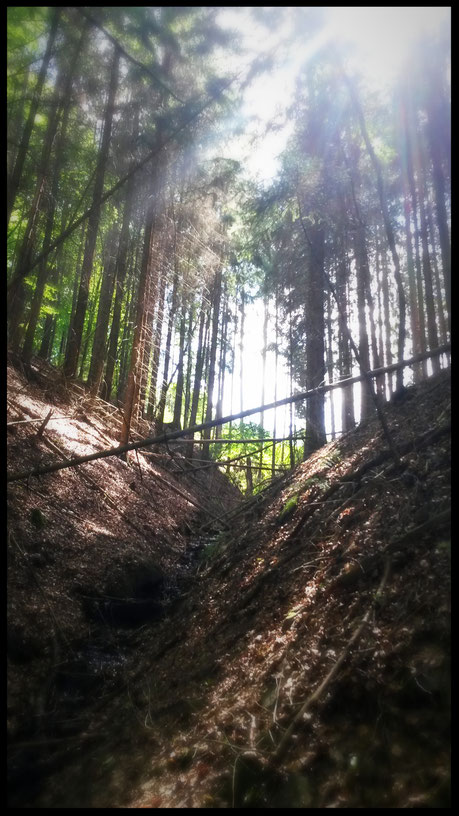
214	548
331	458
288	509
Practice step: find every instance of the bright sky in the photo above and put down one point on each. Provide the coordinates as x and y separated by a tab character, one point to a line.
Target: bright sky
378	39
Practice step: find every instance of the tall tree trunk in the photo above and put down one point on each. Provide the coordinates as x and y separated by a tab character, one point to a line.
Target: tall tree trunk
89	330
180	377
16	292
362	270
276	363
16	123
206	354
75	286
249	477
198	371
233	352
76	330
315	345
432	334
44	267
133	381
152	404
99	344
222	362
380	380
263	375
409	136
376	363
347	394
241	350
443	329
126	340
16	175
189	367
120	277
149	317
330	365
167	351
290	374
57	277
414	314
387	225
387	316
434	122
217	291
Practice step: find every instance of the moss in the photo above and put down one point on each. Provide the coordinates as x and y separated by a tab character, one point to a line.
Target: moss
288	509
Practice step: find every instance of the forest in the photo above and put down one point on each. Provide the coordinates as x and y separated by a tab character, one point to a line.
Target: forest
229	260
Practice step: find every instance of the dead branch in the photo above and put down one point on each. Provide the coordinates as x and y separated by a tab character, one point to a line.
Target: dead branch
34	421
44	423
156	440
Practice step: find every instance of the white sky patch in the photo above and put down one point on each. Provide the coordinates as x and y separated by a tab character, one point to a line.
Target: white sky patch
378	41
382	36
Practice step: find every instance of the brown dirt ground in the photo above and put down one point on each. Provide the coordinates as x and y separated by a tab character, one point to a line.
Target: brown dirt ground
341	570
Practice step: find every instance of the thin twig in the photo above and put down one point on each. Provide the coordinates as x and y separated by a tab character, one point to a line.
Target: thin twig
280	750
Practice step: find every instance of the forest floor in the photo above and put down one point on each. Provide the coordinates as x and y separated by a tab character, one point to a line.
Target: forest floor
300	658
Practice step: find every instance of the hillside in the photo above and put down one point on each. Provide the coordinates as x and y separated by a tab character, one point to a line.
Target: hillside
297	658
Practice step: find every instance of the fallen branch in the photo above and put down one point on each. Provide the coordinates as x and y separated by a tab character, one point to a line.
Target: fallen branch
238	441
34	421
44	423
163	438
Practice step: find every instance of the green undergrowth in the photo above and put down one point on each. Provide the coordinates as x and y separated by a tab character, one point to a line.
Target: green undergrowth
288	509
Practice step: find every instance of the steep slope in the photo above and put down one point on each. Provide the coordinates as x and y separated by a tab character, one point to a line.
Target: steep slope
304	662
88	549
319	649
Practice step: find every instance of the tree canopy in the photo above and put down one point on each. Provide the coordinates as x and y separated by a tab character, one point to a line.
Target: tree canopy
141	253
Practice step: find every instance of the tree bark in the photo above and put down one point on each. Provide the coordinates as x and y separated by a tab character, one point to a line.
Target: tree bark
180	376
427	273
76	329
222	362
434	124
167	351
120	277
315	346
217	291
387	224
189	366
198	371
16	175
148	268
16	292
152	404
347	397
65	102
263	371
387	316
99	344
